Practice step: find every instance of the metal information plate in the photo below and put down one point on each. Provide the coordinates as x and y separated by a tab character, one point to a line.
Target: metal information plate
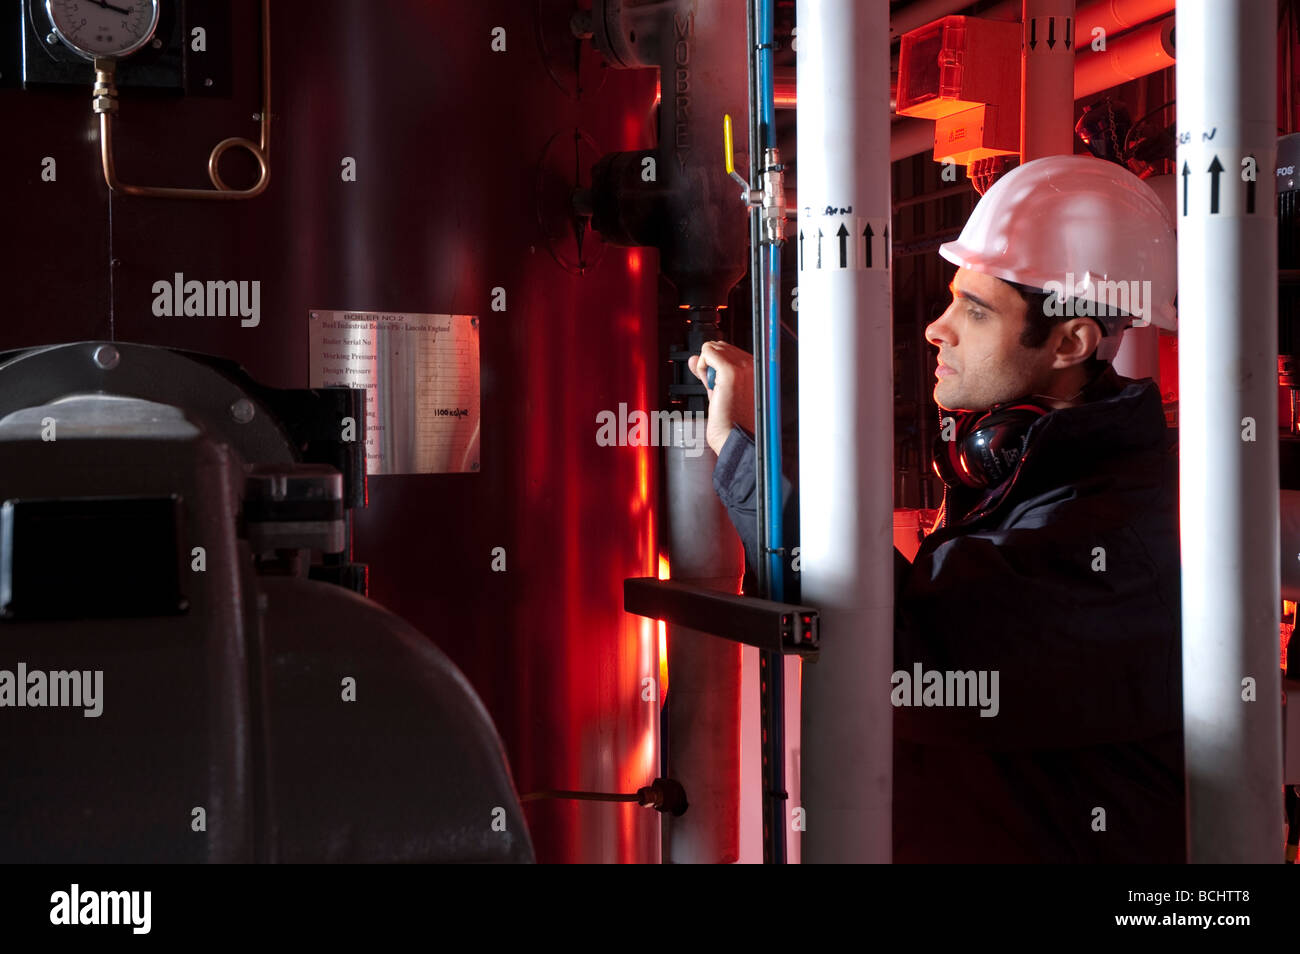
421	375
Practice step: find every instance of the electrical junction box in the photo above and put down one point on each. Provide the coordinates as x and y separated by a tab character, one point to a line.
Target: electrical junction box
957	63
977	134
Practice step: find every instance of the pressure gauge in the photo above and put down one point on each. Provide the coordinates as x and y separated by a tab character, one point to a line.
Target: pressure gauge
107	28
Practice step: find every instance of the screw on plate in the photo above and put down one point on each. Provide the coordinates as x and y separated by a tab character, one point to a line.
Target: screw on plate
242	410
107	357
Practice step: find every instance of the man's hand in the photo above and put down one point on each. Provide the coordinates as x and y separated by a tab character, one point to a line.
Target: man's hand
732	399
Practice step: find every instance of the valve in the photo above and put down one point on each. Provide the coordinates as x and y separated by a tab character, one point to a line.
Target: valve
771	197
751	197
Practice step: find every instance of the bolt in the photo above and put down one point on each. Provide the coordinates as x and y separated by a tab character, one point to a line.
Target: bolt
156	43
580	24
242	411
51	38
208	81
107	357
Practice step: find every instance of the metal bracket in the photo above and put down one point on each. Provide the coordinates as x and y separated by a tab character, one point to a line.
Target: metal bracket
783	628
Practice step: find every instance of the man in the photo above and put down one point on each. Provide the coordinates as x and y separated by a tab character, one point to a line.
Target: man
1055	561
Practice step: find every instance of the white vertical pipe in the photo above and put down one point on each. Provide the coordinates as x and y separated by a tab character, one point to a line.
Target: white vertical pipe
1227	284
846	428
793	750
704	672
1047	79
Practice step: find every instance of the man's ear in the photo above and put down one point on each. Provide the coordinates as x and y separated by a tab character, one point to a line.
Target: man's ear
1077	339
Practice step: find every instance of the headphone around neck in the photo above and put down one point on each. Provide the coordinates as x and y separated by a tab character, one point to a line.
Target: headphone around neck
987	446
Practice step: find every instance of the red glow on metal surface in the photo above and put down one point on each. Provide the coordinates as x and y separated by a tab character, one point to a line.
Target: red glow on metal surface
663	640
637	746
642	478
586	518
784	91
1168	352
663	663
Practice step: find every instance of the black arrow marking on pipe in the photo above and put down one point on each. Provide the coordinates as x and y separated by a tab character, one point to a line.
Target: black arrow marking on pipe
1215	169
843	234
1033	33
867	233
1250	197
801	250
819	247
886	246
1069	24
1186	173
1051	33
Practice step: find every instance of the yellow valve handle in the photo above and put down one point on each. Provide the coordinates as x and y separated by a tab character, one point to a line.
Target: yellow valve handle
726	143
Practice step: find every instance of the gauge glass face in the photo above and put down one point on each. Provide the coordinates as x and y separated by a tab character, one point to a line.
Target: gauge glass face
103	27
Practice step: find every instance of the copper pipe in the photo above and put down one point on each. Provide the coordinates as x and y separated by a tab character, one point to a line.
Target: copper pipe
105	103
1116	16
1135	54
783	87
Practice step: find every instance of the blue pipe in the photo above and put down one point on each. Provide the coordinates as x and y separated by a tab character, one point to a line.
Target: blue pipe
771	264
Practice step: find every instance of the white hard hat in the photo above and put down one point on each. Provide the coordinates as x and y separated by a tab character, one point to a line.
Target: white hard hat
1081	226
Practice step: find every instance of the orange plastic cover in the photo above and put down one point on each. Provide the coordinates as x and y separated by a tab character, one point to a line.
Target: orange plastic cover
956	63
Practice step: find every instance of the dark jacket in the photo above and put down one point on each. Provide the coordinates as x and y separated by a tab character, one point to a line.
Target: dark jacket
1088	653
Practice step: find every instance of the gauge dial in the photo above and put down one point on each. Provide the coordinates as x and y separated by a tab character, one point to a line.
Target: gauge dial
94	28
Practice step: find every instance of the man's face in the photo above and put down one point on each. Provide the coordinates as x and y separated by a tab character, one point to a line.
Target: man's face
978	338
